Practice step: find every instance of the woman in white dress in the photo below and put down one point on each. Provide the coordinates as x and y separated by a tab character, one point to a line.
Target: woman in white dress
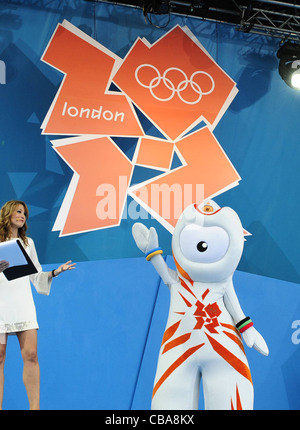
17	309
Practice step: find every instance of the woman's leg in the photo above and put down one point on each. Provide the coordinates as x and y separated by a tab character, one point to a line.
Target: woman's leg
31	370
3	339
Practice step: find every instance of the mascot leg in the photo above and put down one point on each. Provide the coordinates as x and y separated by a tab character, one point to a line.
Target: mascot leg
177	381
225	388
176	387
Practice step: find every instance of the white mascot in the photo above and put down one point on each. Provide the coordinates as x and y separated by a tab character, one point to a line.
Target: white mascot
202	339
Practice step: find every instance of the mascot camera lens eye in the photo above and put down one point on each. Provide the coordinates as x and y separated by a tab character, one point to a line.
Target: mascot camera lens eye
202	246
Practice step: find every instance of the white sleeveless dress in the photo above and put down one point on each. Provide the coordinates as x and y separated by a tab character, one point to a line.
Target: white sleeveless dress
17	308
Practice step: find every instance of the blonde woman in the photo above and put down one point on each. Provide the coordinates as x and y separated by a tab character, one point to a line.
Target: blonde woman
17	309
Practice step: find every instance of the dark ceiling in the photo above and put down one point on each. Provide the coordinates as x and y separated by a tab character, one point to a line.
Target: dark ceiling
273	18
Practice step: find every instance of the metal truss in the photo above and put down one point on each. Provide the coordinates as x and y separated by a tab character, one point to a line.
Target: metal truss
267	17
272	18
271	22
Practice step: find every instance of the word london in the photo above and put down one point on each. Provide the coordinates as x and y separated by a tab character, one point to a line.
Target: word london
86	113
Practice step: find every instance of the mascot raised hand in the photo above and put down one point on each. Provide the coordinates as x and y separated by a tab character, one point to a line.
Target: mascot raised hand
206	324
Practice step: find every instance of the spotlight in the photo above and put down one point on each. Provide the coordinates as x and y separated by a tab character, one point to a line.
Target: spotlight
158	7
295	80
289	64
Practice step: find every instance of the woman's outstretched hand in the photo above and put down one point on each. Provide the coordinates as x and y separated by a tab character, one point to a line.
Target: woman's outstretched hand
64	267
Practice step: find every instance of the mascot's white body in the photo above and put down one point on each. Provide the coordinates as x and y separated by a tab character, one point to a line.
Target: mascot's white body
201	340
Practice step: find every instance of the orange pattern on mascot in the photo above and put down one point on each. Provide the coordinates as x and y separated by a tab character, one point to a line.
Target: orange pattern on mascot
203	335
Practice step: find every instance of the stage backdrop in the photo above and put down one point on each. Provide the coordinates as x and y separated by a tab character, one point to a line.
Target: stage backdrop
98	110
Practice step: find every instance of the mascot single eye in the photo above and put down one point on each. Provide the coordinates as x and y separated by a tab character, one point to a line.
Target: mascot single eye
203	244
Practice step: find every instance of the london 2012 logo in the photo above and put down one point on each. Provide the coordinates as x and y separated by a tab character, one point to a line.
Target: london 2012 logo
177	87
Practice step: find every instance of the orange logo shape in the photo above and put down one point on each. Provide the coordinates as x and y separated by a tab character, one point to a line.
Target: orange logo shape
204	162
98	191
175	82
84	104
154	153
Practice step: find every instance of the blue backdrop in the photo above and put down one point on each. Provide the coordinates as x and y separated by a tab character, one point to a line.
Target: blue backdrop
101	327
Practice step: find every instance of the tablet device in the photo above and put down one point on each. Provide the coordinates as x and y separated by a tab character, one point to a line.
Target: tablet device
20	262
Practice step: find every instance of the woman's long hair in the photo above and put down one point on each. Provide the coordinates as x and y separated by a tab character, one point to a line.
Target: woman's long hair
6	212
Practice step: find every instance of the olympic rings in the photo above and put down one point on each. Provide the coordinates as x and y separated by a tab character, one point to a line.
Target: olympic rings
170	85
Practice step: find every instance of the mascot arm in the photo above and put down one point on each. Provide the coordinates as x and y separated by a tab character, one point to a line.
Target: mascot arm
232	303
251	336
147	241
